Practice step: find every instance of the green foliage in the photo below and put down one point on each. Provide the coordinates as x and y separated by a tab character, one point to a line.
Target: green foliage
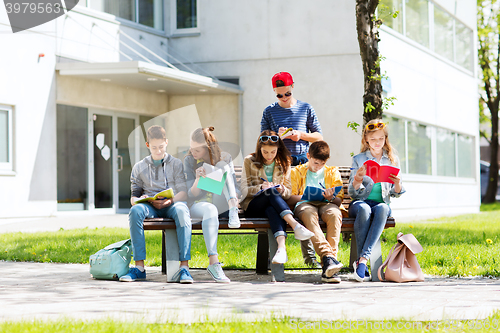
353	126
388	102
369	107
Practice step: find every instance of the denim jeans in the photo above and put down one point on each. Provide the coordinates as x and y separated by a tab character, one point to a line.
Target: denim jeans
369	223
270	204
179	211
299	159
210	224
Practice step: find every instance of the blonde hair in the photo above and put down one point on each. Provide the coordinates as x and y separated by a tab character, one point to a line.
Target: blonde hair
391	151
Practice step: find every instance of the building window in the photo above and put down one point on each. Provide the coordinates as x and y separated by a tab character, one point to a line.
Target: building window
146	12
466	156
419	149
186	14
387	9
6	138
185	17
463	42
417	21
446	153
443	33
420	19
397	135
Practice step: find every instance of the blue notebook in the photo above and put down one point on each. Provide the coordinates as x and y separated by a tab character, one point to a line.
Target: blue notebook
312	193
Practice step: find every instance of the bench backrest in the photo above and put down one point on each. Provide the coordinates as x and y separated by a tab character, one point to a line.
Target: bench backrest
345	171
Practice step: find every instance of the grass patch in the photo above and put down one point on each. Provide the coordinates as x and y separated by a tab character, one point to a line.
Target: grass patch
270	325
490	207
465	245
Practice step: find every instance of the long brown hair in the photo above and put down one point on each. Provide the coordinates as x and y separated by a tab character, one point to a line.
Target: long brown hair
283	158
391	151
201	135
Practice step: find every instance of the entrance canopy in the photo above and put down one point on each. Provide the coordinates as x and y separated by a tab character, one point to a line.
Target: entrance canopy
146	76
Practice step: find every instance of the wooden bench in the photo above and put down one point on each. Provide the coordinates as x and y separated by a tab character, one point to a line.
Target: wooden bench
266	243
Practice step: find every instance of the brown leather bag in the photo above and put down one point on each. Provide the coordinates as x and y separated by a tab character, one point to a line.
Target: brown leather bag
401	263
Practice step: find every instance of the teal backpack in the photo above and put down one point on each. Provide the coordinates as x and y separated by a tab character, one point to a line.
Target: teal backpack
111	262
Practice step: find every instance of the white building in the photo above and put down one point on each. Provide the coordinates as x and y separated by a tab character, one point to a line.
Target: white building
112	65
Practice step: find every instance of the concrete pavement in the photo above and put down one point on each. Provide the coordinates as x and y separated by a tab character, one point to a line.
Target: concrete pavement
53	291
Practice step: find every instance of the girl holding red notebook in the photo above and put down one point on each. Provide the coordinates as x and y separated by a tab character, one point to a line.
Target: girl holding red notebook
370	199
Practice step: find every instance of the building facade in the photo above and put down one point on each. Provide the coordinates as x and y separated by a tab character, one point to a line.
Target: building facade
112	66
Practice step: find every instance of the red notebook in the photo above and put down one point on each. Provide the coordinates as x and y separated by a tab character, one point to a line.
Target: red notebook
380	173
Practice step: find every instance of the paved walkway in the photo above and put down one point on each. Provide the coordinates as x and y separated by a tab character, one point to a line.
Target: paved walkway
53	291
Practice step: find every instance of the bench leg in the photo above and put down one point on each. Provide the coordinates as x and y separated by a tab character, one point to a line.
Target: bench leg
171	253
376	260
277	270
163	254
262	253
354	251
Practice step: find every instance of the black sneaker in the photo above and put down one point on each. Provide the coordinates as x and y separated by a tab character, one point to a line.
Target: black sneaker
331	266
332	279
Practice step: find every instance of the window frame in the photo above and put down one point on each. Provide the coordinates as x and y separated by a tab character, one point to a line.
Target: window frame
175	32
434	159
6	168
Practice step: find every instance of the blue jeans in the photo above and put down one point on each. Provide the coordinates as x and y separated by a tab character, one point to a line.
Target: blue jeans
369	224
179	211
270	204
210	224
299	159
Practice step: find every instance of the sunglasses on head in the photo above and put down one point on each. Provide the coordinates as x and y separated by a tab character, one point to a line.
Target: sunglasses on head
371	127
287	94
265	138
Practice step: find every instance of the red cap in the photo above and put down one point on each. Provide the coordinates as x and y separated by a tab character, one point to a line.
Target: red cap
282	76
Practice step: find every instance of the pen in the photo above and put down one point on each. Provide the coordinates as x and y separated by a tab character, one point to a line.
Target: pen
323	186
265	181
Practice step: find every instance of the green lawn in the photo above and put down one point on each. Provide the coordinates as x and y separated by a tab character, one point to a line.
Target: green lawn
270	325
453	246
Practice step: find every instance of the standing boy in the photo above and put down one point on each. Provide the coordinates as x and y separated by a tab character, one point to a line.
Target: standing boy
153	174
316	174
289	112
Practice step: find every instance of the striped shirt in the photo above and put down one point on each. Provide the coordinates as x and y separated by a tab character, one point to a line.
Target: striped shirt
301	117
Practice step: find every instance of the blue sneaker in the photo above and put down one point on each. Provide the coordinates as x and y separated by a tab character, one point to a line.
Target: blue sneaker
185	276
360	272
133	274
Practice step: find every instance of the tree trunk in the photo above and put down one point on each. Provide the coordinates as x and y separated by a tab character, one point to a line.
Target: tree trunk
368	39
492	188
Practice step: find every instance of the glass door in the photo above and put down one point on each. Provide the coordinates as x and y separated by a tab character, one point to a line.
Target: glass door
113	155
125	147
103	153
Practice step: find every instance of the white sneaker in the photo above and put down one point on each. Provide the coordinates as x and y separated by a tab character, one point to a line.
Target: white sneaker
280	257
301	232
234	219
217	273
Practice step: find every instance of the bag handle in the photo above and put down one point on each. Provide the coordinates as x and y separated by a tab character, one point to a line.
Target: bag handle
411	242
386	262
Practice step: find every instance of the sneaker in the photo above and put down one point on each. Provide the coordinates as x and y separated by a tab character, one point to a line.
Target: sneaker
133	274
185	276
217	273
360	271
280	257
331	266
312	262
332	279
301	232
234	219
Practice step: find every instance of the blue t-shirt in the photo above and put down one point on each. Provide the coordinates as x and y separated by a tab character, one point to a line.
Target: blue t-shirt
301	117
